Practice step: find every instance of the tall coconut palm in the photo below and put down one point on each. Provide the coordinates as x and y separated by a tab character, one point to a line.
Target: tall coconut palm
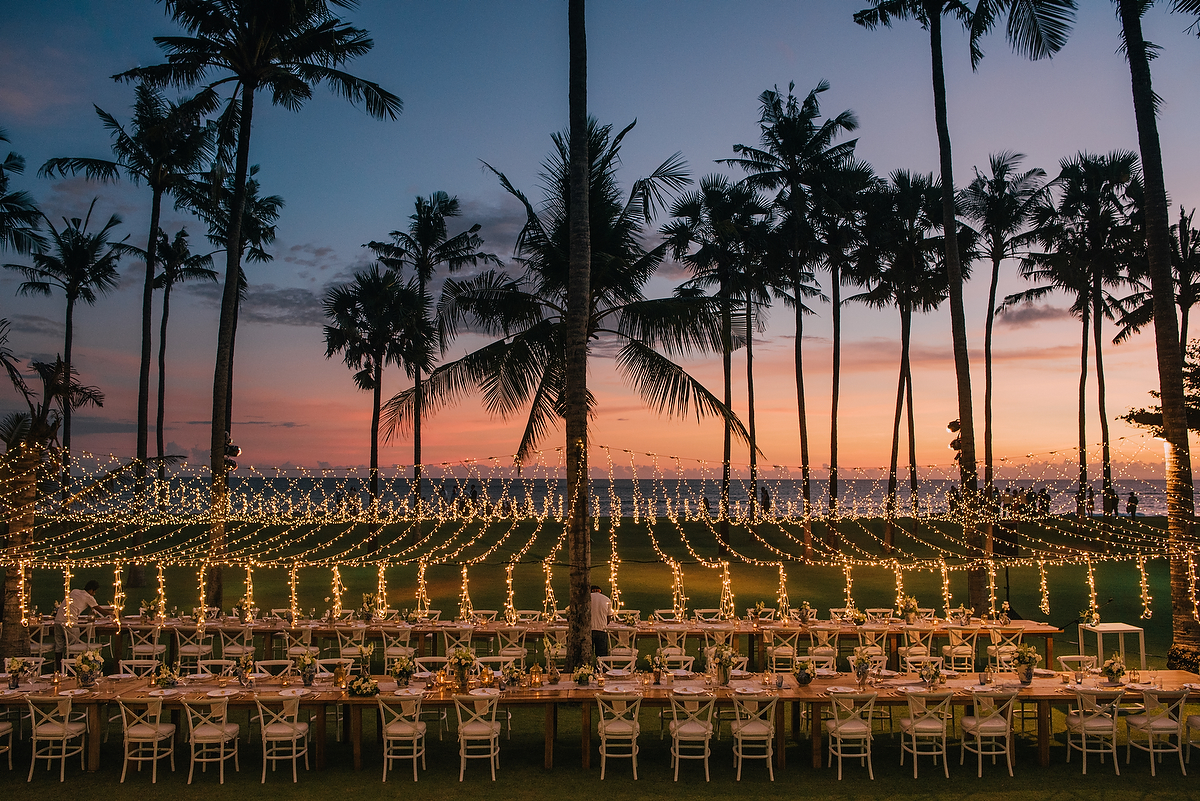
424	248
1185	272
285	48
796	150
177	264
82	266
1037	29
166	145
19	215
1088	240
711	231
1000	204
374	321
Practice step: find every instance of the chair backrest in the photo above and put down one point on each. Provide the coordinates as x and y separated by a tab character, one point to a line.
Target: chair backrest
298	638
926	613
557	634
282	613
144	636
433	614
487	615
475	709
1097	707
1076	662
690	709
880	615
511	637
431	663
1006	638
528	615
919	638
278	713
786	638
350	638
914	663
206	711
679	662
961	637
839	614
397	637
243	637
623	614
390	614
35	664
748	709
718	635
49	710
933	706
143	713
994	705
618	706
872	636
768	613
620	636
142	668
1164	705
216	667
608	663
495	663
708	614
455	638
327	666
671	640
849	706
196	638
400	710
824	636
276	667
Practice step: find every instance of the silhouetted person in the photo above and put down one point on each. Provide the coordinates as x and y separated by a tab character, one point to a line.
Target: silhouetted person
1131	505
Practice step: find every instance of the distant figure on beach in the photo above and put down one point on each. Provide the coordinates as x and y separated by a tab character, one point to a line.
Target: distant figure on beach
1091	501
474	497
766	501
952	499
707	507
1043	501
1131	505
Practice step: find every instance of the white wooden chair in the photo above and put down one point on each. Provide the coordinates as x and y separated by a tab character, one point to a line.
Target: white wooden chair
1003	645
691	730
872	640
275	667
55	734
1162	721
880	616
850	728
667	616
1093	720
608	664
147	738
142	668
621	641
350	644
478	731
960	653
237	643
781	655
823	642
403	732
988	731
41	639
487	615
216	667
557	643
672	641
918	641
913	664
1076	663
708	615
529	615
512	643
754	728
284	735
619	728
455	638
396	644
923	731
213	737
144	642
298	642
192	645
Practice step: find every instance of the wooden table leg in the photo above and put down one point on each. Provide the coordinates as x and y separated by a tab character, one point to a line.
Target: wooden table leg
796	707
318	721
549	727
780	741
814	719
95	732
585	723
356	733
1050	651
1043	714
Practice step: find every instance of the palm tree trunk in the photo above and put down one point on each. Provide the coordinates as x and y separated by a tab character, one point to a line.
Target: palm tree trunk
18	497
727	370
418	399
68	342
987	379
1185	628
750	401
161	416
976	577
835	278
1081	493
237	311
143	411
890	510
376	402
805	485
225	333
575	333
1183	326
913	487
1105	452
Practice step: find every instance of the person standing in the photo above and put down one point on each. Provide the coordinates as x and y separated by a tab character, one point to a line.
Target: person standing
76	603
1131	505
601	611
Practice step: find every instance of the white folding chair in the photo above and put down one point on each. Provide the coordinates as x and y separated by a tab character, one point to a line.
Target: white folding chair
781	655
350	644
621	641
1162	720
147	738
618	727
284	735
144	642
1004	644
237	643
396	644
213	737
512	643
142	668
691	730
923	731
55	734
754	728
403	732
478	731
850	728
960	653
988	731
192	645
1093	717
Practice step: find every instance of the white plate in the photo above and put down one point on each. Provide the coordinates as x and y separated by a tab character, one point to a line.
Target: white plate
1191	686
681	674
737	674
887	674
225	693
1140	687
6	692
420	674
167	692
409	692
199	676
750	690
1044	673
826	672
294	692
484	691
910	688
689	691
620	689
261	674
617	672
950	674
122	676
69	693
837	688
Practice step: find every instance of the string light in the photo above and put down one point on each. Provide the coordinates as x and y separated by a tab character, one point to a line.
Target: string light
118	595
68	608
161	604
510	607
1145	586
946	597
991	574
381	591
202	616
846	568
614	563
23	595
337	589
293	595
679	598
1045	589
549	602
466	609
728	607
422	588
1091	582
1191	574
250	586
899	586
781	596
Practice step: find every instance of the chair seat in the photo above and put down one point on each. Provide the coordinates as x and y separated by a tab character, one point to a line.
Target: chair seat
619	728
691	729
286	731
195	650
958	650
1193	721
850	728
398	651
985	726
479	730
144	732
1076	722
1157	725
513	651
923	726
404	729
5	727
59	731
619	650
781	650
212	733
992	650
750	728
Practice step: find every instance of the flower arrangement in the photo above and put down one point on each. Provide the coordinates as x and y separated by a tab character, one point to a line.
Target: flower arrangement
89	662
363	686
583	675
461	659
860	664
962	614
144	607
1090	616
366	652
758	608
723	656
656	661
805	670
858	617
930	672
367	610
244	667
629	619
1113	668
402	668
1026	654
512	674
16	665
908	605
165	677
412	616
305	663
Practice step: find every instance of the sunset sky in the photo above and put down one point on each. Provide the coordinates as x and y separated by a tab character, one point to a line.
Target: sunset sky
487	82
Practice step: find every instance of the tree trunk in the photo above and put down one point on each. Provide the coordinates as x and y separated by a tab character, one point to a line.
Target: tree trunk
835	280
1105	452
237	311
575	333
376	402
18	499
143	410
1081	493
727	370
1185	628
805	486
750	400
988	477
161	417
221	372
418	399
913	487
65	390
976	577
890	510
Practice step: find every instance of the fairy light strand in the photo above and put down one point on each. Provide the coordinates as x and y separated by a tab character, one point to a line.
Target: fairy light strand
1144	583
68	607
1044	606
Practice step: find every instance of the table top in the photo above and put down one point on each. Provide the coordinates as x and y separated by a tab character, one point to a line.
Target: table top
1111	628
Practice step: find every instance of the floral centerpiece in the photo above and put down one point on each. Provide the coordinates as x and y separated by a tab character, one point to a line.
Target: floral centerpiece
805	613
363	686
412	616
1090	616
629	619
860	665
908	609
657	664
15	666
365	654
722	659
1024	657
243	669
857	616
805	671
1005	614
165	677
583	675
89	666
241	609
367	610
462	660
512	674
402	669
1113	668
757	612
930	673
306	666
960	615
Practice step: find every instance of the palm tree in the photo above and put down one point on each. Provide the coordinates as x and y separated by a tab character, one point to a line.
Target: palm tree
1185	272
1088	239
1000	203
177	264
374	321
165	146
898	263
796	151
1036	28
710	232
83	266
424	248
283	48
19	215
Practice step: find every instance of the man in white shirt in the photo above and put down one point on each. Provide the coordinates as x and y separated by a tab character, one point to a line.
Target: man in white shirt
601	610
78	602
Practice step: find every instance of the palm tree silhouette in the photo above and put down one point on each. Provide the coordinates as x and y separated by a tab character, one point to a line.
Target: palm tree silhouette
282	48
82	266
166	146
19	215
1185	273
424	248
